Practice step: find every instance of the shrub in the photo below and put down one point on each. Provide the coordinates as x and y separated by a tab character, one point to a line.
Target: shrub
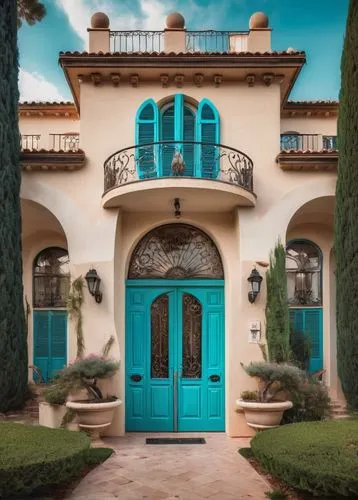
311	402
275	378
277	314
317	457
32	457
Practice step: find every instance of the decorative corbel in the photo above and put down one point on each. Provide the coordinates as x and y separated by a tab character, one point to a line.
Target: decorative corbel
96	78
250	80
134	79
164	78
268	79
81	79
179	81
116	78
198	79
218	79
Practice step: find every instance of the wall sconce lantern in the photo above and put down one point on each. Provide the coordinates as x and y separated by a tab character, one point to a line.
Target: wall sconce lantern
93	283
177	208
255	280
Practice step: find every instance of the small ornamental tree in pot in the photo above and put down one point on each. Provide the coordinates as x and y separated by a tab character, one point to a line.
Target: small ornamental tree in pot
276	383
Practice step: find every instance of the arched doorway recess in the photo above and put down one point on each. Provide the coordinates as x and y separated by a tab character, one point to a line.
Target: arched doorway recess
175	332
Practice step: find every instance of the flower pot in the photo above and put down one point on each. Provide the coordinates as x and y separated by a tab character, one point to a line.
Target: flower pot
94	417
52	415
261	416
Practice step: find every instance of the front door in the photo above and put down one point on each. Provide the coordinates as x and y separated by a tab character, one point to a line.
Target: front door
175	356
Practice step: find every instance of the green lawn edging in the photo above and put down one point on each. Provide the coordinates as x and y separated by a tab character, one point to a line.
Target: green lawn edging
318	457
34	456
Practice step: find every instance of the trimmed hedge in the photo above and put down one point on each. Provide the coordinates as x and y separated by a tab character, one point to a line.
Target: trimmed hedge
32	457
318	457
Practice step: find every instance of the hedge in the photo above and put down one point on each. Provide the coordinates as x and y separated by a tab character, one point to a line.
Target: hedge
32	457
317	457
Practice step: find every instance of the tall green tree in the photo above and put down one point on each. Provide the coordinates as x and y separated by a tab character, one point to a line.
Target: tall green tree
346	219
13	342
31	11
277	315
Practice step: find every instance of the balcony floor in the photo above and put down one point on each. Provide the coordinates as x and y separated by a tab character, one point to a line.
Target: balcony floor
196	195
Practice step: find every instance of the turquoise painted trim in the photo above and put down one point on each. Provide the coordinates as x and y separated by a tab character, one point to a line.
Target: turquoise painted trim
160	283
199	122
300	317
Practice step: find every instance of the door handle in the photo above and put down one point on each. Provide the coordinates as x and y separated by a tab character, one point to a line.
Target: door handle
136	377
214	378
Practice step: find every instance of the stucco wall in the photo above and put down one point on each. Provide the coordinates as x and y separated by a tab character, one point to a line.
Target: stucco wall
48	125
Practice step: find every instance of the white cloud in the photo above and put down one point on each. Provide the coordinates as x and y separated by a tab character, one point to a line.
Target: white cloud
151	17
35	87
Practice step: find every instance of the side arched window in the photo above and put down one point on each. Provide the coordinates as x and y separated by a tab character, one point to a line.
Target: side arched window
51	278
304	269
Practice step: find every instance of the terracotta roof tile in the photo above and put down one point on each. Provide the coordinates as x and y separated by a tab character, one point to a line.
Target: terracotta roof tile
187	54
46	103
312	103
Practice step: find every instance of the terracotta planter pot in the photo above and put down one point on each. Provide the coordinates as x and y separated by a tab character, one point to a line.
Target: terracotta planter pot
94	417
261	416
52	415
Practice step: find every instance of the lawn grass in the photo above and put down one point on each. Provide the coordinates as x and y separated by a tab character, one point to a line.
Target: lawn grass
317	457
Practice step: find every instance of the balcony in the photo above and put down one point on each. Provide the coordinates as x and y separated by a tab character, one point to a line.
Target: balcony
308	152
204	42
56	142
61	152
204	176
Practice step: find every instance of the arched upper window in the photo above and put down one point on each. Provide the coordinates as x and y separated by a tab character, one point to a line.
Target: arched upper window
51	278
304	267
178	124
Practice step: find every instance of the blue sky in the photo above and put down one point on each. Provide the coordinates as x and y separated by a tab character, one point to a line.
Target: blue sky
316	26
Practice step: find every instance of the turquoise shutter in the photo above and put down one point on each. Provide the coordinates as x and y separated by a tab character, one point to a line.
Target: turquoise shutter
189	135
41	340
309	321
208	131
313	328
147	133
58	342
167	134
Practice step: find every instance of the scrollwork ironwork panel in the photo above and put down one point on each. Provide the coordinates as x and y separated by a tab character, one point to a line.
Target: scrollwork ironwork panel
176	251
160	337
188	159
192	336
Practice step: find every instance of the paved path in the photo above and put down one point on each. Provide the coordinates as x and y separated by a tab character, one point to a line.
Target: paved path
173	472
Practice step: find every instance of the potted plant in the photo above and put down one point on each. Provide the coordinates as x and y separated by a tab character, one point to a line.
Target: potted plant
96	412
264	408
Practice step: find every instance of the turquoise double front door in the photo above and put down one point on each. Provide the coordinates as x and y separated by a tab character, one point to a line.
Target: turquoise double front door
175	373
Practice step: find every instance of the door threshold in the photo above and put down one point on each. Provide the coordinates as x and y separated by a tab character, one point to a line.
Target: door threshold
175	440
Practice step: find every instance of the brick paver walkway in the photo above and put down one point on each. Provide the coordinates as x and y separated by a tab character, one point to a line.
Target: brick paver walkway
173	472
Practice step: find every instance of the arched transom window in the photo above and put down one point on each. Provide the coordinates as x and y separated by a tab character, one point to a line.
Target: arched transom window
176	251
51	278
303	267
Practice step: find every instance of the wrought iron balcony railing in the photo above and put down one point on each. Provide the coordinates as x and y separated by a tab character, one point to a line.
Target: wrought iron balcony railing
65	142
184	159
308	142
30	142
206	42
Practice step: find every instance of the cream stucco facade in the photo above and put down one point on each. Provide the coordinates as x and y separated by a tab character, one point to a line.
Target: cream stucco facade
64	204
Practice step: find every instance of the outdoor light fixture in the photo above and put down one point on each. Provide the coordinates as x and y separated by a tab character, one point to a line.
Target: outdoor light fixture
177	211
93	283
255	282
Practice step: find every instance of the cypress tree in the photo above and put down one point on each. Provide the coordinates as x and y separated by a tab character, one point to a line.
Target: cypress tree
346	219
13	342
277	315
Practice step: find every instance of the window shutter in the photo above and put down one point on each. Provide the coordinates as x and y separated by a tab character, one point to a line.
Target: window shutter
58	342
146	133
167	134
313	328
208	131
189	135
41	340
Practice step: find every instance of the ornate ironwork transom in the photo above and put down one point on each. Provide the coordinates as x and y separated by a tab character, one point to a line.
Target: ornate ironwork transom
176	251
51	278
